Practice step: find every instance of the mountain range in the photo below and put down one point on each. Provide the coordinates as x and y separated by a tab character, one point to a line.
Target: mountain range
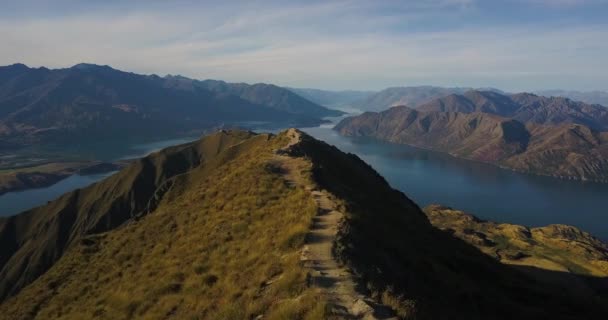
344	98
523	107
239	225
524	132
592	97
418	95
88	102
408	96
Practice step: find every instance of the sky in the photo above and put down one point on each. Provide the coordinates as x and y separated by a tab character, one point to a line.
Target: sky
515	45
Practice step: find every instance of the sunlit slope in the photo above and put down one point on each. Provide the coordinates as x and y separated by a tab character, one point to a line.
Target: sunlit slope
217	229
222	243
554	247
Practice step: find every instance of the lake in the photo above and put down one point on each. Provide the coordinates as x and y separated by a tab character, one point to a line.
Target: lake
15	202
427	177
491	193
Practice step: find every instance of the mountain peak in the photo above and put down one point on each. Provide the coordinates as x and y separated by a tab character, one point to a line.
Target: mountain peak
18	65
15	66
90	66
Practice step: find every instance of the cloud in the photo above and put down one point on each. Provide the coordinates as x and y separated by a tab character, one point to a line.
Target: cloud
345	44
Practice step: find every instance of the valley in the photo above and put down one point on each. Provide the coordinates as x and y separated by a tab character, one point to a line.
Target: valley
303	160
527	133
236	203
428	177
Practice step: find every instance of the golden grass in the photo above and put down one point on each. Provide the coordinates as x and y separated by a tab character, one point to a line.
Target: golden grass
223	244
543	247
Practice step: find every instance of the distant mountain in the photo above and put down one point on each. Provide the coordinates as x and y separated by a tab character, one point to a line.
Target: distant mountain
592	97
524	107
564	150
88	102
328	98
241	225
263	94
404	96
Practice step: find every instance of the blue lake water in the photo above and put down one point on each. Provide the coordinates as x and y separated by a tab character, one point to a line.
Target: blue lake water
15	202
427	177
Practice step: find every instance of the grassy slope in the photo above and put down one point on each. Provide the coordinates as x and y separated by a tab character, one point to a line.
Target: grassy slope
424	273
222	244
33	240
224	240
38	176
554	247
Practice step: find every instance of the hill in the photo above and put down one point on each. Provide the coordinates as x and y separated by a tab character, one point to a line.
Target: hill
591	97
88	102
524	107
49	173
241	225
487	127
263	94
400	96
550	247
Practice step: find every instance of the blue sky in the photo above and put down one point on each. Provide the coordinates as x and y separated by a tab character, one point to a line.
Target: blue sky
516	45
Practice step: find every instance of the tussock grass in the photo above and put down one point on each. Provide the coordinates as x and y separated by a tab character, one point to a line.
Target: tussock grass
222	244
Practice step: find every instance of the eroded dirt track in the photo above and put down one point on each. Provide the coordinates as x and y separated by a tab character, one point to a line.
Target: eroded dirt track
335	281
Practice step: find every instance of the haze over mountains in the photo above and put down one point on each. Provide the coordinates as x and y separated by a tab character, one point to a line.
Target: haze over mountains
219	229
523	107
592	97
410	96
303	160
87	102
414	96
332	98
549	136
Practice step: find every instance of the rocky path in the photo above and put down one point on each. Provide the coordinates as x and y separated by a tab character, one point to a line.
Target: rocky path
335	281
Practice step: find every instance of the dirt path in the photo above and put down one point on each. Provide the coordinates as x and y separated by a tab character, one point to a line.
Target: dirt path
325	272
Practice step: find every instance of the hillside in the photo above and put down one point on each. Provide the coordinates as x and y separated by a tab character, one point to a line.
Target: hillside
554	247
404	96
50	173
88	102
263	94
524	107
570	151
239	225
591	97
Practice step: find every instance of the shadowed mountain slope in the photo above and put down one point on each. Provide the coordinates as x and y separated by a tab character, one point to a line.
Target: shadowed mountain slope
404	96
555	247
88	102
263	94
524	107
214	229
566	150
591	97
328	98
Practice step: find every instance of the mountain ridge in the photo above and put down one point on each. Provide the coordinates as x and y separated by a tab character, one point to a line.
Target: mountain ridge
186	223
524	107
412	96
570	151
89	101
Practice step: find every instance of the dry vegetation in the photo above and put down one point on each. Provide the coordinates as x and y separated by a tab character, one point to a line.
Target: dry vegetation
554	247
421	272
223	244
37	176
214	230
